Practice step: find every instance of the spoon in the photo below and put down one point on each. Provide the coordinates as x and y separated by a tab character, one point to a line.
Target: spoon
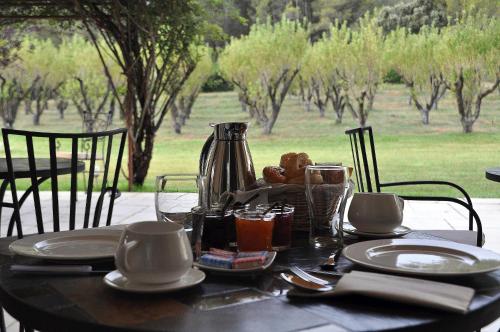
331	261
304	284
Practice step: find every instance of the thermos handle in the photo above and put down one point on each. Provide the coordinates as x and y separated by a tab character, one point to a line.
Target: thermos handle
204	153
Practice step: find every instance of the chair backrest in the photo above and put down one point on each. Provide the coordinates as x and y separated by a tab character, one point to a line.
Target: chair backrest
364	159
40	168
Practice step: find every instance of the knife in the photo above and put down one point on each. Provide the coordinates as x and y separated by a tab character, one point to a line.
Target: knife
56	269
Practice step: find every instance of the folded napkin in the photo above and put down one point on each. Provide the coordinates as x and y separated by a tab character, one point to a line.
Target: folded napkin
433	294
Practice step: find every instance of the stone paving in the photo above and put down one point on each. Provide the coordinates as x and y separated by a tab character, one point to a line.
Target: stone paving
132	207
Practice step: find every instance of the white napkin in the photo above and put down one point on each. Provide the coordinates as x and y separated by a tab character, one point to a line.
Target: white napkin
413	291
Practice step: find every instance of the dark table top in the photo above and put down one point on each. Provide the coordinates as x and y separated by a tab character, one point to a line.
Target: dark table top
229	303
22	169
493	174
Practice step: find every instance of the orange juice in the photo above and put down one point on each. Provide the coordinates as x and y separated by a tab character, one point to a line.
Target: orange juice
254	231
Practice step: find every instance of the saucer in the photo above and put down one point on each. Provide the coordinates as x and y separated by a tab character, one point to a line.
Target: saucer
397	232
115	279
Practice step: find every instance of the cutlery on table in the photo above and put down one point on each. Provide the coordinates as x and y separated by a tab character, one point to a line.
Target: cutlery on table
304	284
333	274
308	277
331	261
56	269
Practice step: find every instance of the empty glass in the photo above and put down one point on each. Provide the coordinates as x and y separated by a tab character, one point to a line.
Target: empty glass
175	195
326	186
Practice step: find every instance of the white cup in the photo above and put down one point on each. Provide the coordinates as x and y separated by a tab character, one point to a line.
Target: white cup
154	252
376	212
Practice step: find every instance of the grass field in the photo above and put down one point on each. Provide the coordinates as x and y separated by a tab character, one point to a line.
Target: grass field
406	149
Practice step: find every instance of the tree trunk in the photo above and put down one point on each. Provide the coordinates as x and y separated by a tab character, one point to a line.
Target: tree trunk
338	103
467	125
142	154
269	124
27	106
61	107
36	119
362	115
425	117
318	98
371	100
174	114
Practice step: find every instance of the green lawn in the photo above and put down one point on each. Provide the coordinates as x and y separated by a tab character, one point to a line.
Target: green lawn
407	150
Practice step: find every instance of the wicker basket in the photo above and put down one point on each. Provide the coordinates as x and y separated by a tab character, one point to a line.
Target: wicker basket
326	198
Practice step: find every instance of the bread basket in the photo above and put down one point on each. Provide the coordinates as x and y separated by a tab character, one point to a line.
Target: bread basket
327	195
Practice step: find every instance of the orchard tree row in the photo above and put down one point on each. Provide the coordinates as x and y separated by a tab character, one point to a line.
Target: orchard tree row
343	69
71	73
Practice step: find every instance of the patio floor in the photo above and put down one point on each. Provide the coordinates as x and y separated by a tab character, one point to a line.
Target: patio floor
132	207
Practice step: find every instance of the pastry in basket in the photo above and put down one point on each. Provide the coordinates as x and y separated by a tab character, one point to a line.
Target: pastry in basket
273	174
291	170
294	164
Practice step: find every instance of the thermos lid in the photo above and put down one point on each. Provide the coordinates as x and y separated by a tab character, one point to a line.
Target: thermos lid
230	131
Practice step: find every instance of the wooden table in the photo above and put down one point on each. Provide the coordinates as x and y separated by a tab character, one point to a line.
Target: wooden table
22	171
493	174
223	303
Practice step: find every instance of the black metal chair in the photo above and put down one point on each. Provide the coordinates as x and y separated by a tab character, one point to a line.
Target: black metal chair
366	171
47	141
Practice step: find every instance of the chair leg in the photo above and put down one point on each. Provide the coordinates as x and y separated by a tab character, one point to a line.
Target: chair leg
2	321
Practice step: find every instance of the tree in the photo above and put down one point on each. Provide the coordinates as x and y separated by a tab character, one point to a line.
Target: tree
456	8
413	15
11	94
150	40
363	66
182	108
11	91
414	57
469	58
265	77
42	75
87	85
323	67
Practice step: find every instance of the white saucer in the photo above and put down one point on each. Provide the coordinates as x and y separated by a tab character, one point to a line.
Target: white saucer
397	232
115	279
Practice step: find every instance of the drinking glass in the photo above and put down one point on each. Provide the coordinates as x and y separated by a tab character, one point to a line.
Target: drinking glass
254	230
326	187
283	220
175	195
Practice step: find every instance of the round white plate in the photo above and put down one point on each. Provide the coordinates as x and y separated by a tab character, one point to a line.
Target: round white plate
269	261
422	257
116	280
398	232
83	244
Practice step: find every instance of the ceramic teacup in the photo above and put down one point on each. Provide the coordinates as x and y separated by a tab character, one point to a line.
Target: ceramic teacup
154	252
376	212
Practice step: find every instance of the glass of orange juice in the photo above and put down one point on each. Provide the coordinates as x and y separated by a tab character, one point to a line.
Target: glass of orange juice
254	230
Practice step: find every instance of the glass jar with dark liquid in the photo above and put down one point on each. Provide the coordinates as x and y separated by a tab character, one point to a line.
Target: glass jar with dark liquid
218	230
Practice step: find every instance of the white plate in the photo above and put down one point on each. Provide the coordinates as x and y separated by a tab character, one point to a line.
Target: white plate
423	257
116	280
269	261
398	232
83	244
